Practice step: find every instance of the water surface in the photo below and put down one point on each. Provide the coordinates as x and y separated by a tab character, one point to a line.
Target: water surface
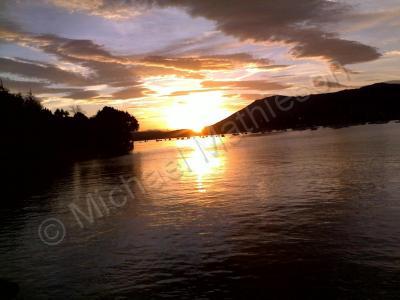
311	214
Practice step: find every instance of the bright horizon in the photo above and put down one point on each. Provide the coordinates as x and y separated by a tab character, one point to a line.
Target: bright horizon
187	64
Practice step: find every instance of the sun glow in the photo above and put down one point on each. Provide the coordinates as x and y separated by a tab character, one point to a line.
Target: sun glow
195	111
203	158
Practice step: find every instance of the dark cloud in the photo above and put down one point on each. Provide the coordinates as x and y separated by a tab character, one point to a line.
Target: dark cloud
68	48
317	43
37	88
82	95
5	22
300	23
111	9
40	70
117	71
106	68
112	74
260	85
274	67
305	25
131	92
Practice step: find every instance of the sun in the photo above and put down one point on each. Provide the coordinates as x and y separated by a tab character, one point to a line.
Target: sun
196	111
197	128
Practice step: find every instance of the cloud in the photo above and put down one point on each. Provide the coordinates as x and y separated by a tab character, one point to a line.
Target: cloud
203	63
188	92
260	85
252	97
115	9
41	70
116	71
307	25
387	15
302	24
82	94
105	68
131	92
327	45
274	67
113	70
207	42
38	88
290	21
108	69
393	53
151	71
247	97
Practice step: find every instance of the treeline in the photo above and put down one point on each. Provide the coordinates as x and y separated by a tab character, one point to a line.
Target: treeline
162	134
30	131
378	103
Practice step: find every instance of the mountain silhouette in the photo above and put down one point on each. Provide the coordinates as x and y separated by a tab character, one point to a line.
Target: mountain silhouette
377	103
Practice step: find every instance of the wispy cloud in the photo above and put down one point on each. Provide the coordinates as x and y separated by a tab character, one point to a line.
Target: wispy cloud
260	85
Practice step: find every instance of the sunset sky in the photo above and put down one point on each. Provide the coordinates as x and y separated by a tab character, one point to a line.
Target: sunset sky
186	64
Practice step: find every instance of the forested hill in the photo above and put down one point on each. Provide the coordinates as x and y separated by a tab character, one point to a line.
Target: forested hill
376	103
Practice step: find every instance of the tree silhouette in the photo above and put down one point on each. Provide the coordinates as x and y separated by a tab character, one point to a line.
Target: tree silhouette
31	131
113	130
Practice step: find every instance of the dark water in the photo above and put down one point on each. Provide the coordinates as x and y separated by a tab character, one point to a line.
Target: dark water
313	214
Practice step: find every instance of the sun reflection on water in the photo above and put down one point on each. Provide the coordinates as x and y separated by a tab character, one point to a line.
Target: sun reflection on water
201	157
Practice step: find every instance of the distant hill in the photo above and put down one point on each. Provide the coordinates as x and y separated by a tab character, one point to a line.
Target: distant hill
162	134
378	103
